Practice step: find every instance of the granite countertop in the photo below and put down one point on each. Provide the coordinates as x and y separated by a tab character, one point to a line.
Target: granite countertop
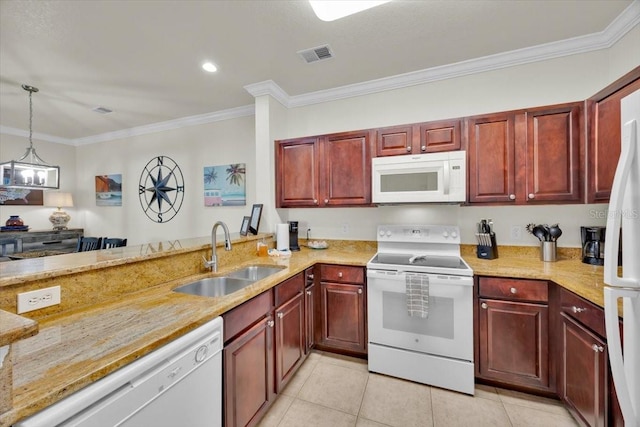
74	349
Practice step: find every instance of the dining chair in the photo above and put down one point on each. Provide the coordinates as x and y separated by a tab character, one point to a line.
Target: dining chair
113	242
88	244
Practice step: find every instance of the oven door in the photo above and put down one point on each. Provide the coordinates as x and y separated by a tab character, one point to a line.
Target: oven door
448	329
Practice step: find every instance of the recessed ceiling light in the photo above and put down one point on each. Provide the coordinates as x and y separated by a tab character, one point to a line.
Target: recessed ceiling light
210	67
332	10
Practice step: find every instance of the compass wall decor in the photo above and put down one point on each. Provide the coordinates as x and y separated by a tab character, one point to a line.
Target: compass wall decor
161	189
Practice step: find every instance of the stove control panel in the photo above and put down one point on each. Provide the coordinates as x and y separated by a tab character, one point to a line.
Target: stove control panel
449	234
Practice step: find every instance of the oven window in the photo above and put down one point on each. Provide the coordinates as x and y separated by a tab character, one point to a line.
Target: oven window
438	324
417	181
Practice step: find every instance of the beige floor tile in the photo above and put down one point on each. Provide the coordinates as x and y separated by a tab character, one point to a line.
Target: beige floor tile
345	361
531	401
487	392
363	422
276	412
396	402
452	409
335	387
293	388
307	414
522	416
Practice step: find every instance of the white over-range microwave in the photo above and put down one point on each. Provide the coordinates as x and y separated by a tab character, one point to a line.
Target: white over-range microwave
421	178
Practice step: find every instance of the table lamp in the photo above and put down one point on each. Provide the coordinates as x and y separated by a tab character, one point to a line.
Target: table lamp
59	218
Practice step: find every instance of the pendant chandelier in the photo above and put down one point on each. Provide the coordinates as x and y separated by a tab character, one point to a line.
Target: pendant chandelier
30	171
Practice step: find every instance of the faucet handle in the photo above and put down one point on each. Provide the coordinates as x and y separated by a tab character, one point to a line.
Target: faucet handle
207	263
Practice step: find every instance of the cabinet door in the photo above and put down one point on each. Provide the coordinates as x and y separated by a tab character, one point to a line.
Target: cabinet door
347	169
513	343
298	172
394	141
248	375
584	373
343	317
290	341
491	156
604	138
439	136
310	315
553	154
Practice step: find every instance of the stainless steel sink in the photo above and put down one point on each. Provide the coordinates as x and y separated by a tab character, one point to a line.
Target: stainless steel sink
255	272
214	286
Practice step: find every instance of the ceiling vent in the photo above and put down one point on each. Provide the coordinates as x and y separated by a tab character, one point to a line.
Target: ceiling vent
102	110
316	54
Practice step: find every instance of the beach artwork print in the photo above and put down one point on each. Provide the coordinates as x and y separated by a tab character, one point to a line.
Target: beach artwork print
109	190
225	185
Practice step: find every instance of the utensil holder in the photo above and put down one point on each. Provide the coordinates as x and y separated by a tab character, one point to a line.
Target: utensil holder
548	251
488	251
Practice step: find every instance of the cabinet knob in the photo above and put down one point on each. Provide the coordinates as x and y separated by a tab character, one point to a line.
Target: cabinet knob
532	196
270	323
408	149
280	315
360	291
513	290
578	309
310	277
484	305
308	292
423	148
340	274
315	201
597	348
512	196
326	201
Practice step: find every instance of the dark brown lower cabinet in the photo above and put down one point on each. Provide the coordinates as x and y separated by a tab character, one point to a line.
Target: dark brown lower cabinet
343	318
248	375
584	376
310	309
290	339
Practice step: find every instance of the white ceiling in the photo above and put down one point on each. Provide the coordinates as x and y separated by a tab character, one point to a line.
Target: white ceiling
142	58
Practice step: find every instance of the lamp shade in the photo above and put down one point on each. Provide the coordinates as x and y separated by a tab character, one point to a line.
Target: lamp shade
58	199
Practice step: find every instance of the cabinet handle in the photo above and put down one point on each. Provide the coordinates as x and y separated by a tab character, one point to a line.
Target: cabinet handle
340	274
280	315
513	290
423	148
310	277
484	305
308	292
270	323
408	149
532	196
597	348
315	201
512	196
578	309
360	291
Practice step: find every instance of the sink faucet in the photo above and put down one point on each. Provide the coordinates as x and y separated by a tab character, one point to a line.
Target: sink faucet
213	264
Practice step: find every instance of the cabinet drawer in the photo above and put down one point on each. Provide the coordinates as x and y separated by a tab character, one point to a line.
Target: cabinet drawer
341	274
245	315
583	311
513	289
288	289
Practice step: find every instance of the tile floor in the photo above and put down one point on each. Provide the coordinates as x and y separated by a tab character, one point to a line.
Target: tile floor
331	390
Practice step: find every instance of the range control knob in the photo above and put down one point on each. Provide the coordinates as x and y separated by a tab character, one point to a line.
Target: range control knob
454	234
445	234
381	233
388	233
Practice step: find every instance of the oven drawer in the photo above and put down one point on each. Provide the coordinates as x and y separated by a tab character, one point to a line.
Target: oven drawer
341	274
513	289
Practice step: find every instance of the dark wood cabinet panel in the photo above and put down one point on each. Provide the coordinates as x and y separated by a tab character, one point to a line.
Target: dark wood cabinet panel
604	135
290	339
491	155
394	141
249	375
419	138
342	273
584	373
440	136
298	172
343	317
553	154
347	169
310	309
513	289
513	343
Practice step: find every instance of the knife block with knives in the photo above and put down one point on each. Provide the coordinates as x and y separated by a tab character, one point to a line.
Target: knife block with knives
487	247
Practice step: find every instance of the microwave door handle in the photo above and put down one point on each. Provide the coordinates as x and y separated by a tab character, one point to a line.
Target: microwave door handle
446	177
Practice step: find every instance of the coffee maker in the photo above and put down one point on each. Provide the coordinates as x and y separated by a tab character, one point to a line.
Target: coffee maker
593	245
293	236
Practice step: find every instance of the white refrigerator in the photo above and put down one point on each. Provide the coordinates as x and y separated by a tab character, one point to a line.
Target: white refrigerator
624	211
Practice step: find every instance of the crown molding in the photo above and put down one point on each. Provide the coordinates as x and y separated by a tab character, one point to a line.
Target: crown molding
6	130
269	87
232	113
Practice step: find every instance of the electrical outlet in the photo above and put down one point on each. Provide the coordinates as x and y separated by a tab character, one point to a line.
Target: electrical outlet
344	227
516	232
41	298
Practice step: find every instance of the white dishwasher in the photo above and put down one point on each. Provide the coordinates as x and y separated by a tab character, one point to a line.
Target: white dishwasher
179	384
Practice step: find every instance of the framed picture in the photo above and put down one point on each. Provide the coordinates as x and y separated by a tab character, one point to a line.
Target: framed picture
254	222
245	225
225	185
109	190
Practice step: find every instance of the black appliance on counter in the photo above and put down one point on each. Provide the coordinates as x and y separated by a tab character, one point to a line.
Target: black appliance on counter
593	245
293	236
